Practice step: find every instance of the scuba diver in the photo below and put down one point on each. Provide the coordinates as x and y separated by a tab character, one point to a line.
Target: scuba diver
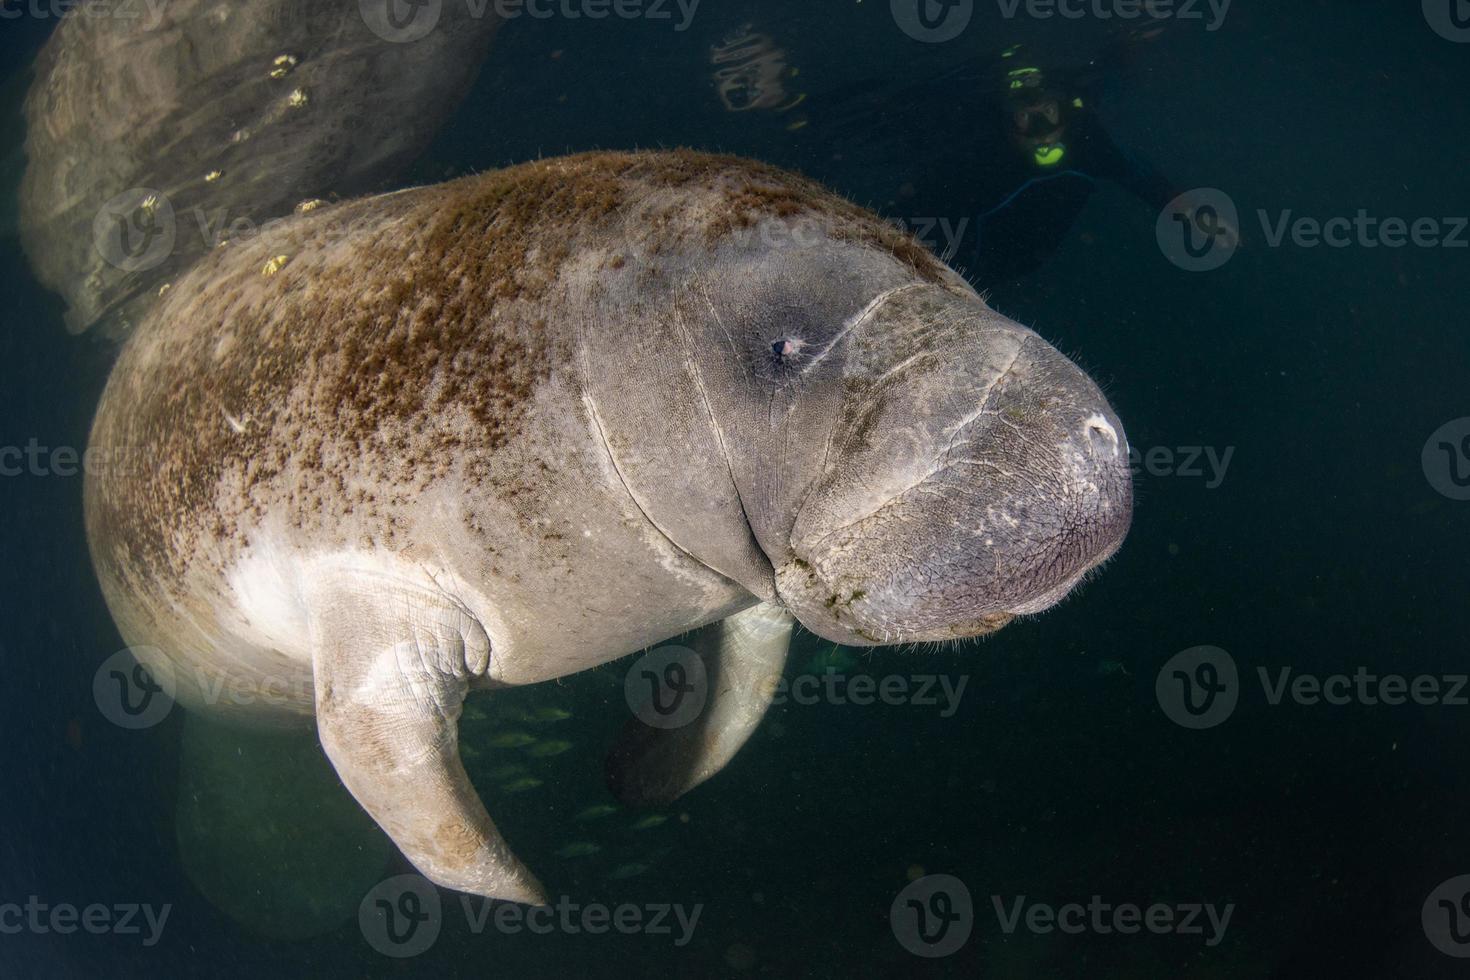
1010	149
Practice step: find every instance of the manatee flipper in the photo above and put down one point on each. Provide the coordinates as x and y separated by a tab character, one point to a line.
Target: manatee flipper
743	657
391	664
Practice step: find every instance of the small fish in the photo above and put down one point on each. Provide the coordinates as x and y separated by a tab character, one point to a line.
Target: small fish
595	811
547	714
510	740
652	820
522	784
545	749
505	772
629	870
576	849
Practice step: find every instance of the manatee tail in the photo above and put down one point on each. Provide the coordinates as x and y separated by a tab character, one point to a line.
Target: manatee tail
152	139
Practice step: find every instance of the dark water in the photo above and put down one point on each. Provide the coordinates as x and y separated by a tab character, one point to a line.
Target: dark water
1325	546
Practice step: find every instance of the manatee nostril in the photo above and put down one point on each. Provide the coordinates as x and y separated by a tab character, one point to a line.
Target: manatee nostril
1101	435
786	347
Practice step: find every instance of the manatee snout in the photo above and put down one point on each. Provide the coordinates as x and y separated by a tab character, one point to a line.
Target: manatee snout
981	483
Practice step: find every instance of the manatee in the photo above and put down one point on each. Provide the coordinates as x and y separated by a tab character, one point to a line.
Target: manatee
514	426
230	114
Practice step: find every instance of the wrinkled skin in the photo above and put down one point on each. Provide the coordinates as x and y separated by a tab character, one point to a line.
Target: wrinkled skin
518	425
922	471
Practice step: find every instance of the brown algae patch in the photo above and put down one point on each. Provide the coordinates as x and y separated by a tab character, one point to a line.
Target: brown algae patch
406	334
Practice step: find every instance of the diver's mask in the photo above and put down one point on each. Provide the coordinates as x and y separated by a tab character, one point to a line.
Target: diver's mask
1037	123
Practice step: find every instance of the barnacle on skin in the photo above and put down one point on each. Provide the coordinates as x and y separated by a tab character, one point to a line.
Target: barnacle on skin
298	98
275	264
282	66
309	205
